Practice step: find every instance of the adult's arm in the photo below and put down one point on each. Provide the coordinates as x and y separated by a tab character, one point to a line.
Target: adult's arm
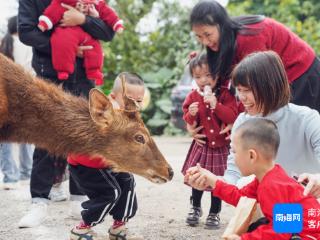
29	33
232	173
227	110
312	131
194	131
98	29
92	25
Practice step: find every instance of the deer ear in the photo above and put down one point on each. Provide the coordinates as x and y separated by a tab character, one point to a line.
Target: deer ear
100	107
129	104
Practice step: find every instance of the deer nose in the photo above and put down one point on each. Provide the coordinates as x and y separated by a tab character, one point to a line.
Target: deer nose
170	173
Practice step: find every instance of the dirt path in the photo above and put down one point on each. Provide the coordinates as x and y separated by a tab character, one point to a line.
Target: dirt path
161	214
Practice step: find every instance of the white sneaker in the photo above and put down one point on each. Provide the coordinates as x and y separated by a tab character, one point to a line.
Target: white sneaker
10	185
35	216
57	194
75	209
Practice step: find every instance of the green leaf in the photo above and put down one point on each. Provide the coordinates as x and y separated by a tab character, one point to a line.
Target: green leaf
157	122
165	105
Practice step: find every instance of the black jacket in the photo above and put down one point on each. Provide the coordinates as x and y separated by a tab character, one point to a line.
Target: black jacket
29	34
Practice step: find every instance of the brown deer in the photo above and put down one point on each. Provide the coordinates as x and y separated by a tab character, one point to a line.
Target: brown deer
35	111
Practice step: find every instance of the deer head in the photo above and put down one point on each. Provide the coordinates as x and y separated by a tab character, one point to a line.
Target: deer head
129	146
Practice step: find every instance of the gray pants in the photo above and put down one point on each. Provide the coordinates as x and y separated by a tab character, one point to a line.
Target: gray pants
8	161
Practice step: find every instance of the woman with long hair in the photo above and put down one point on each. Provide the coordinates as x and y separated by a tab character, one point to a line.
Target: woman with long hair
228	40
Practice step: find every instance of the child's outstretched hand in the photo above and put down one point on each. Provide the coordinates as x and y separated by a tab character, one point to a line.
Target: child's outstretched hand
191	171
194	108
200	178
194	179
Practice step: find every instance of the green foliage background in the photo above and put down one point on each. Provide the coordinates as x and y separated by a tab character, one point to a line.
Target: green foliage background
159	56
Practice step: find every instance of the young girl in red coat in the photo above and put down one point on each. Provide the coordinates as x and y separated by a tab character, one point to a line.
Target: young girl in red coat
65	40
210	105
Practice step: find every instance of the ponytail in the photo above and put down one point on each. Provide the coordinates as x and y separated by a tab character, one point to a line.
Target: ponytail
6	46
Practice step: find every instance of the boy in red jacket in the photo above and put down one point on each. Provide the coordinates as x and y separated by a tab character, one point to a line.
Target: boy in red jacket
108	192
65	40
255	144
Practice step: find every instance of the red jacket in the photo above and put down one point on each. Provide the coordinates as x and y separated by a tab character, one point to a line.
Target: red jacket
87	161
275	187
212	119
54	13
297	55
65	40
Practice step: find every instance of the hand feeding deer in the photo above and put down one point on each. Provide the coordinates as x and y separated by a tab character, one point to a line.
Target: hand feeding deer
35	111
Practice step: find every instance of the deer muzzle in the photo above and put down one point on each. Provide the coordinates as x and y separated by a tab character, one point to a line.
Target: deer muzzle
159	179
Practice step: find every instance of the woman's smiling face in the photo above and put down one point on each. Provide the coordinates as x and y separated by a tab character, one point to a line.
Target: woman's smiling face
207	35
247	98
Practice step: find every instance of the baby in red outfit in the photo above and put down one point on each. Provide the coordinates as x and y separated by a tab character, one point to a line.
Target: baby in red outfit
65	40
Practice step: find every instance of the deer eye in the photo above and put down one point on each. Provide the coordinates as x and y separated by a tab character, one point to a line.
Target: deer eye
139	138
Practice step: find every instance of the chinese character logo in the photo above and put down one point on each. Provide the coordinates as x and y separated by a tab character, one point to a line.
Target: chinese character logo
287	218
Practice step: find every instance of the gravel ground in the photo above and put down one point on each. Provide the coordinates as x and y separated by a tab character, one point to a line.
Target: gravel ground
161	214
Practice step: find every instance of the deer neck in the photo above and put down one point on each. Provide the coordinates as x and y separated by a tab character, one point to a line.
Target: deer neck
50	118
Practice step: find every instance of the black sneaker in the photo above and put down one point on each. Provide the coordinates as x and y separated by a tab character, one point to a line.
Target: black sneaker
194	216
213	221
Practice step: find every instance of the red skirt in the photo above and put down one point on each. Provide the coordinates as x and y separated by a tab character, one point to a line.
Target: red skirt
212	159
